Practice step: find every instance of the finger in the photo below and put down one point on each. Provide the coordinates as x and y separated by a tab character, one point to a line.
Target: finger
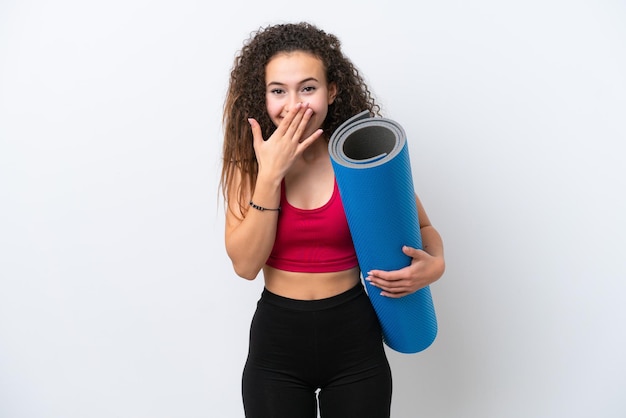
392	290
388	275
287	122
257	134
393	286
412	252
309	140
394	295
298	122
303	123
386	287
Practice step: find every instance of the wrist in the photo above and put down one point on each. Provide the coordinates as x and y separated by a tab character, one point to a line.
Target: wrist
268	180
266	194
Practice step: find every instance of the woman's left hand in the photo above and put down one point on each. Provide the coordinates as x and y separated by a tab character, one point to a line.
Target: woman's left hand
423	270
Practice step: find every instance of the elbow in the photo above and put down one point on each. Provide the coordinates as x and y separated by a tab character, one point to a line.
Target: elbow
246	275
244	265
245	271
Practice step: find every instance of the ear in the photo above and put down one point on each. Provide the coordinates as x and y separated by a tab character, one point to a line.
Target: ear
332	92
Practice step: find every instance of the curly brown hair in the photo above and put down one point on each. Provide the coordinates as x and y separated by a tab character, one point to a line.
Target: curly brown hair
245	96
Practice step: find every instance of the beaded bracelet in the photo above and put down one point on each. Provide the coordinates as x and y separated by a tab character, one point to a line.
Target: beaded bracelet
261	208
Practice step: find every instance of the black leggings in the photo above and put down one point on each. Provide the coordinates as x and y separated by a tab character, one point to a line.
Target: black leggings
334	345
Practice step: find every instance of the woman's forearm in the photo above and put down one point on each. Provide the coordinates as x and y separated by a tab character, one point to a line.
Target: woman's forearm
431	241
249	241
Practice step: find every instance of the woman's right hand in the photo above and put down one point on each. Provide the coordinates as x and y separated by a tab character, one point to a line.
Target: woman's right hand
277	154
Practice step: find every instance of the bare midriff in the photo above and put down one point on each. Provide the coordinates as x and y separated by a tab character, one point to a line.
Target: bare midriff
309	286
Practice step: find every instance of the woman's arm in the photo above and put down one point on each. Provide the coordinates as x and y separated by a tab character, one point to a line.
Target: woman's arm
250	235
249	238
426	267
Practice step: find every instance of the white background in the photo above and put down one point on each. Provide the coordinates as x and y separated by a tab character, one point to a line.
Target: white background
117	298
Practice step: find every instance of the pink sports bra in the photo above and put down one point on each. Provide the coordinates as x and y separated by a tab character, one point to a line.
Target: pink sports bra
313	240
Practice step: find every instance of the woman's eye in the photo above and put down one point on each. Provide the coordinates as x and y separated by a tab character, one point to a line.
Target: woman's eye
308	89
277	91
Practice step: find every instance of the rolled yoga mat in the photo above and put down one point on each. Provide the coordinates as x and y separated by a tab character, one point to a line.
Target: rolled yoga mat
373	172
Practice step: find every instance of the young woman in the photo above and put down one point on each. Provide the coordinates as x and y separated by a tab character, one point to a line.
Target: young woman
314	337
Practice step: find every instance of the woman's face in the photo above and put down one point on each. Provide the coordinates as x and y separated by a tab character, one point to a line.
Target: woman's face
297	77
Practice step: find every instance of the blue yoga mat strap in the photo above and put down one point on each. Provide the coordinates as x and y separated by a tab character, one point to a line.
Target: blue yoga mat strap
371	162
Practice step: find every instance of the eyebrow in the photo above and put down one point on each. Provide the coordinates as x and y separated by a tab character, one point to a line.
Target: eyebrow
306	80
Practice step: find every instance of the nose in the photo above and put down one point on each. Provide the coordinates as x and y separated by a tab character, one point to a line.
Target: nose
293	100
